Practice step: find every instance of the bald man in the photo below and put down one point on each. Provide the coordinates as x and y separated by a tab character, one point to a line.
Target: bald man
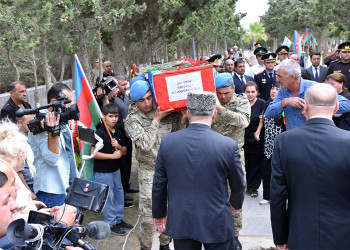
229	66
107	69
311	168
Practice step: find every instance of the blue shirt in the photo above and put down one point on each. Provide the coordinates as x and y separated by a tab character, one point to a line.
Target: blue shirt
53	171
294	117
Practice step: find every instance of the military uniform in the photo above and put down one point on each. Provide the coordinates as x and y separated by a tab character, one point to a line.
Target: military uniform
94	76
231	122
146	134
265	83
339	67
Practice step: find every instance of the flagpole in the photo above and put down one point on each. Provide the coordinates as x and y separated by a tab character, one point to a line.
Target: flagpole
109	132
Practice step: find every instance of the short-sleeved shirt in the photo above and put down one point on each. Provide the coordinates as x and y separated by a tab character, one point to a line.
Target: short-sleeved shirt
109	166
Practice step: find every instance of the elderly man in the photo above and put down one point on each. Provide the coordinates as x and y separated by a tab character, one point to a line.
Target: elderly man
16	101
146	125
233	117
193	177
290	98
311	169
342	65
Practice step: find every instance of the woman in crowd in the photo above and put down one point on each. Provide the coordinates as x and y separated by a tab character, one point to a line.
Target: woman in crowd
254	139
13	150
337	80
273	127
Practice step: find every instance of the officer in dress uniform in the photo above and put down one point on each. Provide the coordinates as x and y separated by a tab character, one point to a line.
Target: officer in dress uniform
282	52
259	67
267	78
342	65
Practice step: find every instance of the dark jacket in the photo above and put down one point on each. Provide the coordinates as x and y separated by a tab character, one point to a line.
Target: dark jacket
10	109
311	168
192	169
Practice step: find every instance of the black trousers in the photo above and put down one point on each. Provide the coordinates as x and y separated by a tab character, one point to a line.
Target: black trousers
253	168
266	178
188	244
125	170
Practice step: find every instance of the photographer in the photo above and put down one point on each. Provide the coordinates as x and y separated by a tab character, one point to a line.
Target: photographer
54	155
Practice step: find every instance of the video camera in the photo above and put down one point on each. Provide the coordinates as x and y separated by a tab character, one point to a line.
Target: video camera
41	229
59	107
107	84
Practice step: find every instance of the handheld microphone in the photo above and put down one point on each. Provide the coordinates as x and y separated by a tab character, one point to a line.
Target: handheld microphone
97	230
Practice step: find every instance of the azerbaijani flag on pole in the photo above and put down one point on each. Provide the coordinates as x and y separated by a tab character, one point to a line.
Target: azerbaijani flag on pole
297	43
90	113
286	42
307	38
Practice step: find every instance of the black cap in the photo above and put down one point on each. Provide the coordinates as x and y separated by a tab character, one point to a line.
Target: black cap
213	58
282	50
345	47
270	57
230	50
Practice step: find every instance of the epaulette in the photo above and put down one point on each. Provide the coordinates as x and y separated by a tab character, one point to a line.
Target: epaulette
260	72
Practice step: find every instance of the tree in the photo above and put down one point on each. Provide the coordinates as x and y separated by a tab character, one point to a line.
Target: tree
255	33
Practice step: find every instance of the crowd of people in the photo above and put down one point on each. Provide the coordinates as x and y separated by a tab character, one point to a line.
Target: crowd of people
272	125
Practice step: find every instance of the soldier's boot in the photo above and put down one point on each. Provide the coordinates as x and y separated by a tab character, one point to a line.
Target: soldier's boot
165	247
238	245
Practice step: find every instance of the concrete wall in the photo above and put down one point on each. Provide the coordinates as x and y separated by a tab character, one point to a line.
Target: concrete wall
31	95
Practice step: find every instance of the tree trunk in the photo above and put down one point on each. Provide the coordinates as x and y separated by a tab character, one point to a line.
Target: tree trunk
45	62
62	63
166	59
178	50
85	58
118	41
99	53
8	49
35	67
150	49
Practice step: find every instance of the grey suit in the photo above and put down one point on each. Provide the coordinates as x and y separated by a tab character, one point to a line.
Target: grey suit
321	74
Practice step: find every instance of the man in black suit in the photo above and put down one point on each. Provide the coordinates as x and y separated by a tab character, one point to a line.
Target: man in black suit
239	78
311	168
267	78
192	169
317	72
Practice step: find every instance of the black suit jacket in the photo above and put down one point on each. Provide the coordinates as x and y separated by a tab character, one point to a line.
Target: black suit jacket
311	168
10	108
239	84
192	169
265	84
321	75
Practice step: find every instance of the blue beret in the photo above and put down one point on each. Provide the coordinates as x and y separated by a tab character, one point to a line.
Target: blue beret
223	80
138	90
137	78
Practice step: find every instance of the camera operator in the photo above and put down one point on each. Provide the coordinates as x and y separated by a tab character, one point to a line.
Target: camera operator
54	155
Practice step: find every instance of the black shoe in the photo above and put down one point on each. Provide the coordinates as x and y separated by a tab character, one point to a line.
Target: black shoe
238	245
128	197
132	190
165	247
125	225
118	230
128	205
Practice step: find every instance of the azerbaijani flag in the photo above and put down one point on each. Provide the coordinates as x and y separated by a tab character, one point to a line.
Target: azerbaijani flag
297	43
90	113
286	42
307	38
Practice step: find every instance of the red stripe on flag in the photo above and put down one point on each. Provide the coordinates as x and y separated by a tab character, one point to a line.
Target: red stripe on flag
83	104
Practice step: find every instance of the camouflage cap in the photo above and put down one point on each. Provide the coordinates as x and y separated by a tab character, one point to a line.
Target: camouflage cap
203	102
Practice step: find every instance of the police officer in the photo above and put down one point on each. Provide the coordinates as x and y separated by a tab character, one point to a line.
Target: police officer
259	67
145	125
342	65
267	78
282	52
232	118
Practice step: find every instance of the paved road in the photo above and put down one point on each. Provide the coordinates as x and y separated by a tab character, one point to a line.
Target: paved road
256	232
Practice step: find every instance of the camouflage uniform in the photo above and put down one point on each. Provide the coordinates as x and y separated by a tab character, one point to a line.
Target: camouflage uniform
146	135
231	122
94	74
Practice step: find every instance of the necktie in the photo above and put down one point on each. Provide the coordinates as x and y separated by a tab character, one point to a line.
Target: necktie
270	76
242	79
316	75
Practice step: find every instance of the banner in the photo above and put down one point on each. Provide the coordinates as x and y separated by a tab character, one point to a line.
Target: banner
286	42
297	44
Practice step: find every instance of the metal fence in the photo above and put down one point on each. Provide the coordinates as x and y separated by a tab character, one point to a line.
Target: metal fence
31	95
